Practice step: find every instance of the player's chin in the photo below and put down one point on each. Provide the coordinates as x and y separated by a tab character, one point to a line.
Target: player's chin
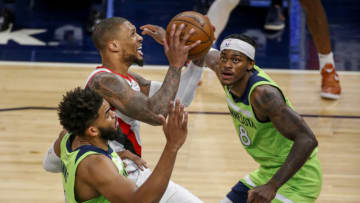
226	82
139	61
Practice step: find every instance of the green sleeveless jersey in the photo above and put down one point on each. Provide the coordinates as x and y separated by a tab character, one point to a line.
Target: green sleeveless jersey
70	160
267	146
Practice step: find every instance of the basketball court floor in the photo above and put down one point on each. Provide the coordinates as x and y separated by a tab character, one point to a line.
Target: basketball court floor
33	78
212	159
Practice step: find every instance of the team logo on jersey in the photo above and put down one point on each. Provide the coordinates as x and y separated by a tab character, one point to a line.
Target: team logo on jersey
237	109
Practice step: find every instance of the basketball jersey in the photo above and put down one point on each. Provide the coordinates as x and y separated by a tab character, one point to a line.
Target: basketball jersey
266	145
70	160
129	126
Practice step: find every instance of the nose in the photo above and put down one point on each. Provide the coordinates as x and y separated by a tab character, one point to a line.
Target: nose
228	64
140	38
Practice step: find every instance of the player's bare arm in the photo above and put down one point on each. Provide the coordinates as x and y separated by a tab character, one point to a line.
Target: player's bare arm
136	105
212	59
269	103
143	83
97	174
122	97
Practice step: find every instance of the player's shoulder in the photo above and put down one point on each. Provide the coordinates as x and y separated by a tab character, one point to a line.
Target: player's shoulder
106	78
262	94
93	162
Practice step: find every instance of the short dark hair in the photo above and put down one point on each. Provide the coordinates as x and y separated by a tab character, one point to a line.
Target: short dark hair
104	30
243	38
78	109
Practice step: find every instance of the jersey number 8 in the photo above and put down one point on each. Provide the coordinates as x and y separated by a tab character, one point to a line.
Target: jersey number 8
244	138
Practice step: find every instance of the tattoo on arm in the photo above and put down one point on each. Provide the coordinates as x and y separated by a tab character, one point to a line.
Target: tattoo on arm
212	60
120	95
160	100
270	101
143	83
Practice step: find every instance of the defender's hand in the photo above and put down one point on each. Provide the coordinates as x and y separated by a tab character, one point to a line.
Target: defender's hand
155	31
175	127
262	194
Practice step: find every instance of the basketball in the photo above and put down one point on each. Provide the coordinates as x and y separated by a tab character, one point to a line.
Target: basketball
203	31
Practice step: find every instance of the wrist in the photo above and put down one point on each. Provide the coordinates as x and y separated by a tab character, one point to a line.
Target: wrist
273	184
176	67
171	148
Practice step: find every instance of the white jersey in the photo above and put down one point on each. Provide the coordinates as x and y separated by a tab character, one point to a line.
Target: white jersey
130	127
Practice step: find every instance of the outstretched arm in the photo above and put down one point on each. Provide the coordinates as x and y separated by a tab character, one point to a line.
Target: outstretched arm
136	105
101	175
212	60
189	80
268	103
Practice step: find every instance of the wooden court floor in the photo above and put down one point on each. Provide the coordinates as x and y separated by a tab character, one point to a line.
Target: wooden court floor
212	159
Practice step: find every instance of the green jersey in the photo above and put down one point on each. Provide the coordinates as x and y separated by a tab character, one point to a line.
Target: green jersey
70	160
269	148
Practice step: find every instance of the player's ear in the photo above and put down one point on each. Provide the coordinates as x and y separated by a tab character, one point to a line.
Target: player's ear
251	65
114	45
92	131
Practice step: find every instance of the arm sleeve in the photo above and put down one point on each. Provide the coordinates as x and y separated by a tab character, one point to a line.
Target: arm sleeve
52	162
187	87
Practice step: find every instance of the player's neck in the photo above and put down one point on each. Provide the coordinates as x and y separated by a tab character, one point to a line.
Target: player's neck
239	87
97	142
116	64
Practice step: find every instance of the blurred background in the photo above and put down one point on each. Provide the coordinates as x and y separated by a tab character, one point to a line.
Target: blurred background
60	31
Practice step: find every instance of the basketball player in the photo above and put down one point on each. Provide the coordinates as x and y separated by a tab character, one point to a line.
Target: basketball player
91	170
317	23
268	127
134	98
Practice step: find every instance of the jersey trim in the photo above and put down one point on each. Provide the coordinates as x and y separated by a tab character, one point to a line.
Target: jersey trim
86	148
129	77
252	80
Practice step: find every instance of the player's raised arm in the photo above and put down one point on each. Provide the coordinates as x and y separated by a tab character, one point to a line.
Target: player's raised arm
100	173
137	105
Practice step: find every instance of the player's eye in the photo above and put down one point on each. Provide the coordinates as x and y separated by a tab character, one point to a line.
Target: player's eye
235	60
223	59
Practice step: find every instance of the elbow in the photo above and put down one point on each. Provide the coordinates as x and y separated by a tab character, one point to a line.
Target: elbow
311	143
314	143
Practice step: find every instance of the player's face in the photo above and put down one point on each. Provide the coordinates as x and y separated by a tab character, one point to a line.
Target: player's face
106	122
233	66
131	43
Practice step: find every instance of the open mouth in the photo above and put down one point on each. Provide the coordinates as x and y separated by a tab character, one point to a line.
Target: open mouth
227	75
139	51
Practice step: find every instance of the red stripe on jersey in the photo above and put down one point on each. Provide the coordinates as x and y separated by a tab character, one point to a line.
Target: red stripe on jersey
126	129
129	77
93	77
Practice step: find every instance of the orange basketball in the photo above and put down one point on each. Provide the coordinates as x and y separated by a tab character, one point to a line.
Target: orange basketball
203	31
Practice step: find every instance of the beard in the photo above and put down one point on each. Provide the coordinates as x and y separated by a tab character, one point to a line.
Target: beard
110	133
134	60
139	62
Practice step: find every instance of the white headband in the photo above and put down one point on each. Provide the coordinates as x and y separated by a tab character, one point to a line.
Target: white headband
239	45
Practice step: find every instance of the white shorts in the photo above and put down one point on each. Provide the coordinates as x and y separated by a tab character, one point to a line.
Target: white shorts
174	193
